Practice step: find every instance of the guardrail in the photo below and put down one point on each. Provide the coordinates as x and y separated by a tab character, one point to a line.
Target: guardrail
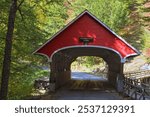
137	84
137	74
41	83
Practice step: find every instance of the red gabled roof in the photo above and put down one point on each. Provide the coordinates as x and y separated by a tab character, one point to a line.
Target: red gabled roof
87	25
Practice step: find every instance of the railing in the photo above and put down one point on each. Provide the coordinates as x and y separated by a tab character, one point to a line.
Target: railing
41	83
137	84
138	74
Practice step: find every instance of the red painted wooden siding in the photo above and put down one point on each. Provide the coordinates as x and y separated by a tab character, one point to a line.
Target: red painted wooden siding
87	26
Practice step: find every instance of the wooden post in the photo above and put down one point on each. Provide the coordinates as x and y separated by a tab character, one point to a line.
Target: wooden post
120	79
52	78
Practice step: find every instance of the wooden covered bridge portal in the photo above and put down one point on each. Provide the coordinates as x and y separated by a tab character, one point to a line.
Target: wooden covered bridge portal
86	36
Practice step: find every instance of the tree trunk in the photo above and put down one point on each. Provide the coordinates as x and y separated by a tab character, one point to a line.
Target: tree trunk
7	51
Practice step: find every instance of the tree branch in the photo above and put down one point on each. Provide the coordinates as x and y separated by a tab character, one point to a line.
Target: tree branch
18	8
20	4
69	2
20	13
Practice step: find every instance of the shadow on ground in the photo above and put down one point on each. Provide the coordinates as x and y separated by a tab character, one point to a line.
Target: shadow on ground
83	86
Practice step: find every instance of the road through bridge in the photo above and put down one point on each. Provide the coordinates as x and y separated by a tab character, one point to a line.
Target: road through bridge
85	86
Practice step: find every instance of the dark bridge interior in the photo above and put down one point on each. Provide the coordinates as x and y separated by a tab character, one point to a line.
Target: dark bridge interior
61	63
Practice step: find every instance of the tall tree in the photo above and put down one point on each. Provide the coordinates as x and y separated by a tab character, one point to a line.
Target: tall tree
8	48
35	22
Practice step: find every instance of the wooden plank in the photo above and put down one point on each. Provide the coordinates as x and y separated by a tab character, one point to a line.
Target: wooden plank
136	89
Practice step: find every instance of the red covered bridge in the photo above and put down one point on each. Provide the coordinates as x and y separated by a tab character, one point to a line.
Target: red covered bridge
86	36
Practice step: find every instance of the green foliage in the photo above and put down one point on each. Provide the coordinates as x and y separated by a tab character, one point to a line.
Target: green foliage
87	63
146	44
113	13
36	20
140	1
146	39
21	85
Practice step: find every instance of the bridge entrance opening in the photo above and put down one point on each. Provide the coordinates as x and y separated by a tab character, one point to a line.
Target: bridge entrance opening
89	68
89	73
62	63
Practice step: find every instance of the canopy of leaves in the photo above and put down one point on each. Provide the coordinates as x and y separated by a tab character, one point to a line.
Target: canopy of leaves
36	20
113	13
